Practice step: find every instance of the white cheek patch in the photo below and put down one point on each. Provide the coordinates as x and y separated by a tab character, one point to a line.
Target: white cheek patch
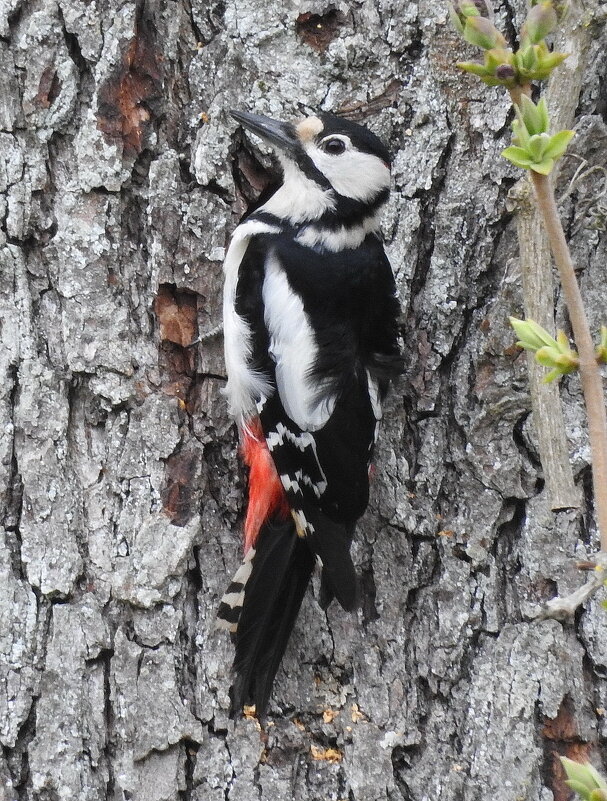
299	199
360	176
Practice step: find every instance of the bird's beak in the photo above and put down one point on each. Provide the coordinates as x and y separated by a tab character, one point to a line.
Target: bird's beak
280	134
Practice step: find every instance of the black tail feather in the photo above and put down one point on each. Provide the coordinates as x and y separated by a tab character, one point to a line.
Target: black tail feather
326	594
277	637
331	542
282	567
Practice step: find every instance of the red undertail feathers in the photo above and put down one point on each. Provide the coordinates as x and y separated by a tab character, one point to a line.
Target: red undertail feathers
267	497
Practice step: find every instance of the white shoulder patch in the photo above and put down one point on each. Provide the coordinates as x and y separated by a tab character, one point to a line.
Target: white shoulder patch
374	396
293	347
245	386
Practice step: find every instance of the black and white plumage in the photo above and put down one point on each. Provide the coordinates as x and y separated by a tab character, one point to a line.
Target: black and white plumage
311	341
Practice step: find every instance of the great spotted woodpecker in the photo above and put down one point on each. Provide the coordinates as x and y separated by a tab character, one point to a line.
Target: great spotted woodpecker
311	341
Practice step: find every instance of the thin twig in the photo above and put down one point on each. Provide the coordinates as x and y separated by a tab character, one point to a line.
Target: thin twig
583	172
592	385
518	91
538	298
565	606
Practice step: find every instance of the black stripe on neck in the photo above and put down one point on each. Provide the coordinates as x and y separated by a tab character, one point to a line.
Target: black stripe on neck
310	170
350	213
269	219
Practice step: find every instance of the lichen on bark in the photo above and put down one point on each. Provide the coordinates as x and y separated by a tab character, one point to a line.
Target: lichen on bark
121	179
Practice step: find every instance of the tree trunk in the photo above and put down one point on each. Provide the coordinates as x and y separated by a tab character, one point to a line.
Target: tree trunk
122	177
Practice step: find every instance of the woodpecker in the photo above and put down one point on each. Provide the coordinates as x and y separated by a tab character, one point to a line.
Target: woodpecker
311	343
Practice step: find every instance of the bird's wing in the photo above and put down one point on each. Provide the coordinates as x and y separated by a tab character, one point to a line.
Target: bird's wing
243	269
321	423
325	476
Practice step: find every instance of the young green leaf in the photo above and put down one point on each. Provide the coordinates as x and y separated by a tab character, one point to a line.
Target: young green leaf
518	156
544	167
583	779
558	144
473	67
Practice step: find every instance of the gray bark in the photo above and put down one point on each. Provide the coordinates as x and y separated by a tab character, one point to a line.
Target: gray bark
121	178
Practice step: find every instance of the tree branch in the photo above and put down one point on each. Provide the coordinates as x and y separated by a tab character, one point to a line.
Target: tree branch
590	375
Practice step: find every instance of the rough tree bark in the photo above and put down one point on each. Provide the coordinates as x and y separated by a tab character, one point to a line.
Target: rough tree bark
121	179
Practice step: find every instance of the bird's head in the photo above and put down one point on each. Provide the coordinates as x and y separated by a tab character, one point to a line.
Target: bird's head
337	155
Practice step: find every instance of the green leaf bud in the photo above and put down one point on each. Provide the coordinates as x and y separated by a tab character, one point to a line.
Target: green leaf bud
505	72
584	779
601	350
534	118
549	352
527	58
461	10
536	62
544	119
596	776
531	335
537	146
474	68
482	32
530	133
540	22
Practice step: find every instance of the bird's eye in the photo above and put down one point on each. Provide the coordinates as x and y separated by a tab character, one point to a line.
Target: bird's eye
334	146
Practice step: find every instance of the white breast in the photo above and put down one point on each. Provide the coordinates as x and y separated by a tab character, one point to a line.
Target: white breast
294	349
